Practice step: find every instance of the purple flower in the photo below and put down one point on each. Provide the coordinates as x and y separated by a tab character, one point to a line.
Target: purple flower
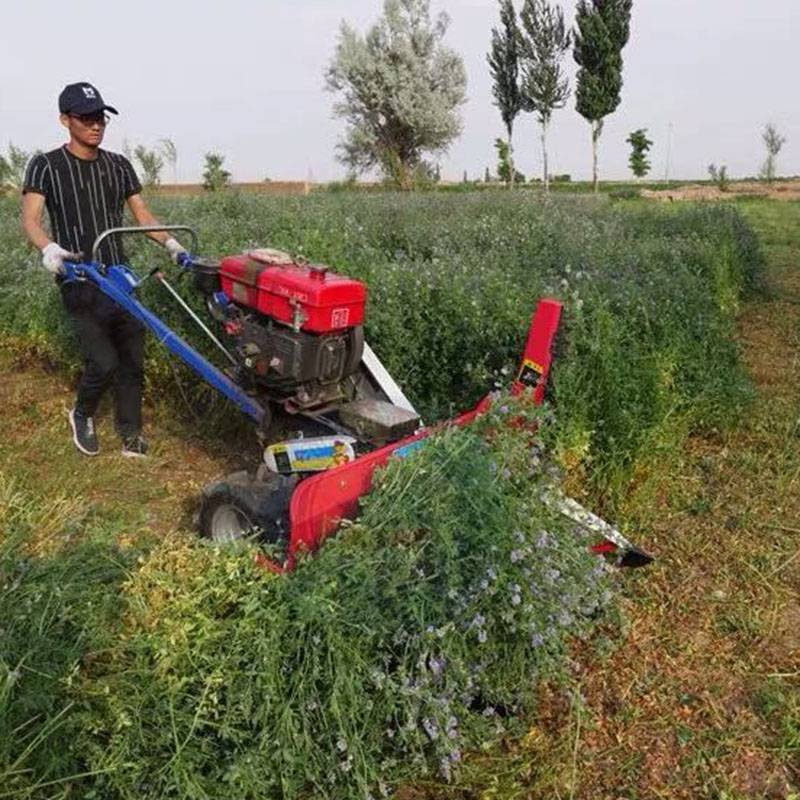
437	665
482	636
537	640
444	768
515	600
455	756
541	542
491	573
517	555
479	620
431	728
504	409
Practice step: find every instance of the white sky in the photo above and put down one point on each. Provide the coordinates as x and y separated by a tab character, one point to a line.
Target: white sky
246	78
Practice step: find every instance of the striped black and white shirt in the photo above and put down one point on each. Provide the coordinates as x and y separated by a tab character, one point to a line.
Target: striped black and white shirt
83	198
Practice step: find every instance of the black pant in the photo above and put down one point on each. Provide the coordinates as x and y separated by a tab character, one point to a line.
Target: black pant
112	344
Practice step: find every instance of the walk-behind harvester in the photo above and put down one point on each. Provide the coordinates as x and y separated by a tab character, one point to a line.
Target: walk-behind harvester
293	339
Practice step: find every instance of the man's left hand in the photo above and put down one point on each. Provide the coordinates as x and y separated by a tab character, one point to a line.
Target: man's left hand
174	248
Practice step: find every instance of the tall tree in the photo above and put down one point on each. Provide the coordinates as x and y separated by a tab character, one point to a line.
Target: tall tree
151	164
774	142
602	31
640	145
503	58
545	86
400	89
12	166
170	153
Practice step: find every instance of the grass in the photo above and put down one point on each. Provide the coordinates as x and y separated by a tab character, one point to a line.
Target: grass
650	293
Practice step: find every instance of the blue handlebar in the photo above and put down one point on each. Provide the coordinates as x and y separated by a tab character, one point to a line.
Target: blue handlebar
119	283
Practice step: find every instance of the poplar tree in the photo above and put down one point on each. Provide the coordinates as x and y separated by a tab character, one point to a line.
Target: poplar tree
640	145
602	31
503	58
545	86
170	153
774	142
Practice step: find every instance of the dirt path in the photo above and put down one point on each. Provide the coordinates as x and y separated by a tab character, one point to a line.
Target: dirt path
130	497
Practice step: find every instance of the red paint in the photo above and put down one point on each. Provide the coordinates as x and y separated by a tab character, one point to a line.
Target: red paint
321	501
324	301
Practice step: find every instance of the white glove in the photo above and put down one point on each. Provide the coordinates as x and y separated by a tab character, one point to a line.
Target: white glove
174	248
53	256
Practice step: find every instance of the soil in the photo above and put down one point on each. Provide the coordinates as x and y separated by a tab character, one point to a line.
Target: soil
778	190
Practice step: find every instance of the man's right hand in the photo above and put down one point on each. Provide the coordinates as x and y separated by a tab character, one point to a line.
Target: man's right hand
53	256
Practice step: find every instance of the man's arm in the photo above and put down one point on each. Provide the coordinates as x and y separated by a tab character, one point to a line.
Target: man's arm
53	254
32	212
144	216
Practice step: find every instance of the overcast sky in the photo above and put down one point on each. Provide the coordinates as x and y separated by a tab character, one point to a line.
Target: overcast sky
246	78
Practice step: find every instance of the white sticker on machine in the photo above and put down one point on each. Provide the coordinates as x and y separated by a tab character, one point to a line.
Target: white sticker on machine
340	317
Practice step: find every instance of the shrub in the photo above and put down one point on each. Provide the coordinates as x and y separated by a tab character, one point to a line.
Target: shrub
215	176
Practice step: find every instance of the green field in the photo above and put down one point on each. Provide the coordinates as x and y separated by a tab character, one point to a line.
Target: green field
155	667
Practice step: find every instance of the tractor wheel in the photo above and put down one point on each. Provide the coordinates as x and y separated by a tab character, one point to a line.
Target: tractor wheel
242	506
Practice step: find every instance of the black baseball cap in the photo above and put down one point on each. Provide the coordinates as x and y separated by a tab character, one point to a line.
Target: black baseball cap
82	98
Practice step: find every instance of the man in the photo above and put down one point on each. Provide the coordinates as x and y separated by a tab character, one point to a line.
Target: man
85	189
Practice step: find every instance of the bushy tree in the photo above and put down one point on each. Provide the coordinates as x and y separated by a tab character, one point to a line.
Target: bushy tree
170	153
545	86
151	163
774	142
505	166
12	167
503	58
215	176
640	145
602	31
399	88
719	175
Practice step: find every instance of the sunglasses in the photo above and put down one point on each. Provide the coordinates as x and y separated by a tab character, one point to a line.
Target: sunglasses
88	120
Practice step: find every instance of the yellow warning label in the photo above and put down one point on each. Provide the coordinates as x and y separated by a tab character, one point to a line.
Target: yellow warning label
533	365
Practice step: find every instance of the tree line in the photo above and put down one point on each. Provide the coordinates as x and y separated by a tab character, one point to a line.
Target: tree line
399	86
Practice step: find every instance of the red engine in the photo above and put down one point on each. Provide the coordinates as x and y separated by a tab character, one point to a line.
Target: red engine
295	328
307	297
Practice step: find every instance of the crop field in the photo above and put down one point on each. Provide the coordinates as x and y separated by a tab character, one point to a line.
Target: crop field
458	639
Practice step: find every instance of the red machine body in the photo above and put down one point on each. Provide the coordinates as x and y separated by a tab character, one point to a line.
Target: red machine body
319	503
308	296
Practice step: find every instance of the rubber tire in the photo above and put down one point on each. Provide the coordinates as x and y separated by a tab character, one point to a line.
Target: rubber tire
241	505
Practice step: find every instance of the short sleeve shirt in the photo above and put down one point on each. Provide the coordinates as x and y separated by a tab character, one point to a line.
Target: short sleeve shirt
83	198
